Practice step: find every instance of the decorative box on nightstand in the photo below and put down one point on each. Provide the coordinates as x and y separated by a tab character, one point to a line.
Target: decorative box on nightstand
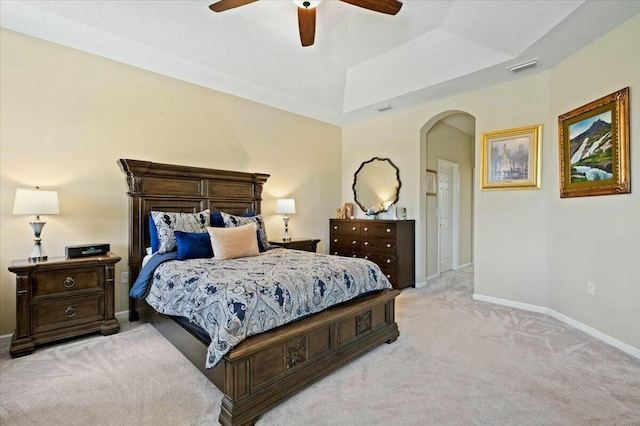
297	244
62	298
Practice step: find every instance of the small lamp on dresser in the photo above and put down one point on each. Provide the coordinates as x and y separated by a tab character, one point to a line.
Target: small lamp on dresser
286	206
36	202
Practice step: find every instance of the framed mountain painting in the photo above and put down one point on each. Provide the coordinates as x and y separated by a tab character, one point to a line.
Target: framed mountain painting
594	147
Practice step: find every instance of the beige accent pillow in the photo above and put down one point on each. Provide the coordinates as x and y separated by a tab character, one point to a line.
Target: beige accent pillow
230	243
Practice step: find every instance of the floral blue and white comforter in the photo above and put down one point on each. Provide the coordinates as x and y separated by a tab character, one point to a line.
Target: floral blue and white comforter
234	299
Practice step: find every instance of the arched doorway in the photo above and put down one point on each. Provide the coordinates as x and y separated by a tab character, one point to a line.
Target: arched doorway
448	150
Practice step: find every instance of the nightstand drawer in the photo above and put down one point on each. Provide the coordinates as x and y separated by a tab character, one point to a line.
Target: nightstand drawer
65	313
66	282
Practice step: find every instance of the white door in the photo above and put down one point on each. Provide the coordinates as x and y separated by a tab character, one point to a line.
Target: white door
445	220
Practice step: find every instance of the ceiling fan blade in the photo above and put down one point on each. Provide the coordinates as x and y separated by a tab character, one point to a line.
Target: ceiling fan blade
390	7
307	25
223	5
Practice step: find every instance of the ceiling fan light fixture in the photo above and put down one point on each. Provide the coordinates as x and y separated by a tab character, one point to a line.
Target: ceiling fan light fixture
307	4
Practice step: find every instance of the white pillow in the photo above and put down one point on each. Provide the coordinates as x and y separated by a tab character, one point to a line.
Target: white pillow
168	222
231	243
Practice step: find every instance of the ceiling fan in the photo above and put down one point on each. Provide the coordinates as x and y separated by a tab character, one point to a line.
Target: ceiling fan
307	12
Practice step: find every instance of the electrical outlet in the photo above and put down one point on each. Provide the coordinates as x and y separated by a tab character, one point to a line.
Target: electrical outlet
124	278
591	288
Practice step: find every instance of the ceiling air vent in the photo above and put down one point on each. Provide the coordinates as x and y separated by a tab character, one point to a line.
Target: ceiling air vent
523	66
383	108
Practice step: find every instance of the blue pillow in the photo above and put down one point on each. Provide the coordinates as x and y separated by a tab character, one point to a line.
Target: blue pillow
153	235
216	220
193	245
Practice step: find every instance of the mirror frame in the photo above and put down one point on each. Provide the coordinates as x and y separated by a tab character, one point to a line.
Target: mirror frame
355	179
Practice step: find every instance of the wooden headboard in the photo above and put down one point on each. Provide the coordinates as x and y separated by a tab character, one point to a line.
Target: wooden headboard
167	187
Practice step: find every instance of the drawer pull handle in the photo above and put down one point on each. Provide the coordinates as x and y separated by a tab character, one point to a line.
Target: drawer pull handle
69	312
335	226
366	229
354	242
366	257
353	229
335	240
388	260
388	229
69	282
335	252
366	243
389	245
388	275
353	255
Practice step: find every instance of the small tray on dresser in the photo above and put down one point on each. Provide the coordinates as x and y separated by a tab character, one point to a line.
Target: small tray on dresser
62	298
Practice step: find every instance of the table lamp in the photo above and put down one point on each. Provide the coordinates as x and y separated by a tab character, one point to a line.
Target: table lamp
286	206
36	202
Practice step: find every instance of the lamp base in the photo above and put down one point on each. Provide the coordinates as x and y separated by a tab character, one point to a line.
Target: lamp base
37	254
286	229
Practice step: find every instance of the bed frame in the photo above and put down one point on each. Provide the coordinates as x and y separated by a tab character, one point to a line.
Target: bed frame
270	367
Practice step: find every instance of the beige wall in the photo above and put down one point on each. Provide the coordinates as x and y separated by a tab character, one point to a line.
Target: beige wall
531	246
67	116
448	143
598	238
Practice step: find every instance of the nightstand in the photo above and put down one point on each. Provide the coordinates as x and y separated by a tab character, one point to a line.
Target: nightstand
62	298
305	244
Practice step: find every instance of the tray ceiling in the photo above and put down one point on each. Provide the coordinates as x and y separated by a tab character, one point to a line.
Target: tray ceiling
360	60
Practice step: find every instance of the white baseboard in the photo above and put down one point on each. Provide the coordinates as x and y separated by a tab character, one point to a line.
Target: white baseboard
433	277
624	347
421	284
464	266
5	340
122	315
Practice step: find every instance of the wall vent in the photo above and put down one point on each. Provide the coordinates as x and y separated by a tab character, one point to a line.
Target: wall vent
383	108
523	66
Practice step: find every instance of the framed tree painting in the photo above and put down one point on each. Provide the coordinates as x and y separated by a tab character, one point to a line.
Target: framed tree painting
510	158
594	147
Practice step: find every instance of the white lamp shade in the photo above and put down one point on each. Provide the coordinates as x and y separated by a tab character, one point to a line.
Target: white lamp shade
286	206
36	202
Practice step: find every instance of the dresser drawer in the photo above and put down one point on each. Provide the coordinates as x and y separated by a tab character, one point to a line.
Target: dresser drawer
377	229
352	241
66	282
66	313
386	262
378	245
344	227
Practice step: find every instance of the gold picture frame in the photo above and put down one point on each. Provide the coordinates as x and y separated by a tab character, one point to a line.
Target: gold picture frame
432	182
594	147
511	158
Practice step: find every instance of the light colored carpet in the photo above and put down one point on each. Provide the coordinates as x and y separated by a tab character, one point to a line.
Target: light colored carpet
456	362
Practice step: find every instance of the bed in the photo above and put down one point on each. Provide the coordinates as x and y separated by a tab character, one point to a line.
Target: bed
265	368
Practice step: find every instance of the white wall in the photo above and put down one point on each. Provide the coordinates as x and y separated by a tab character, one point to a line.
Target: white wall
528	244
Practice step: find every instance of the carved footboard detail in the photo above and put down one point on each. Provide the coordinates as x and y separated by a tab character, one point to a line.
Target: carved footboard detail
268	368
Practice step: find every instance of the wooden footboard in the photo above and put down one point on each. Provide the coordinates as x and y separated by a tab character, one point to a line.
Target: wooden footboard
266	369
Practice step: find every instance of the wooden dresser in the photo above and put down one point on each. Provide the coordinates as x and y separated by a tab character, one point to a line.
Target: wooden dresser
62	298
388	243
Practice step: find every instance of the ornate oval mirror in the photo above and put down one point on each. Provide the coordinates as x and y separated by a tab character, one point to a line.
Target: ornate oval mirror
376	185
